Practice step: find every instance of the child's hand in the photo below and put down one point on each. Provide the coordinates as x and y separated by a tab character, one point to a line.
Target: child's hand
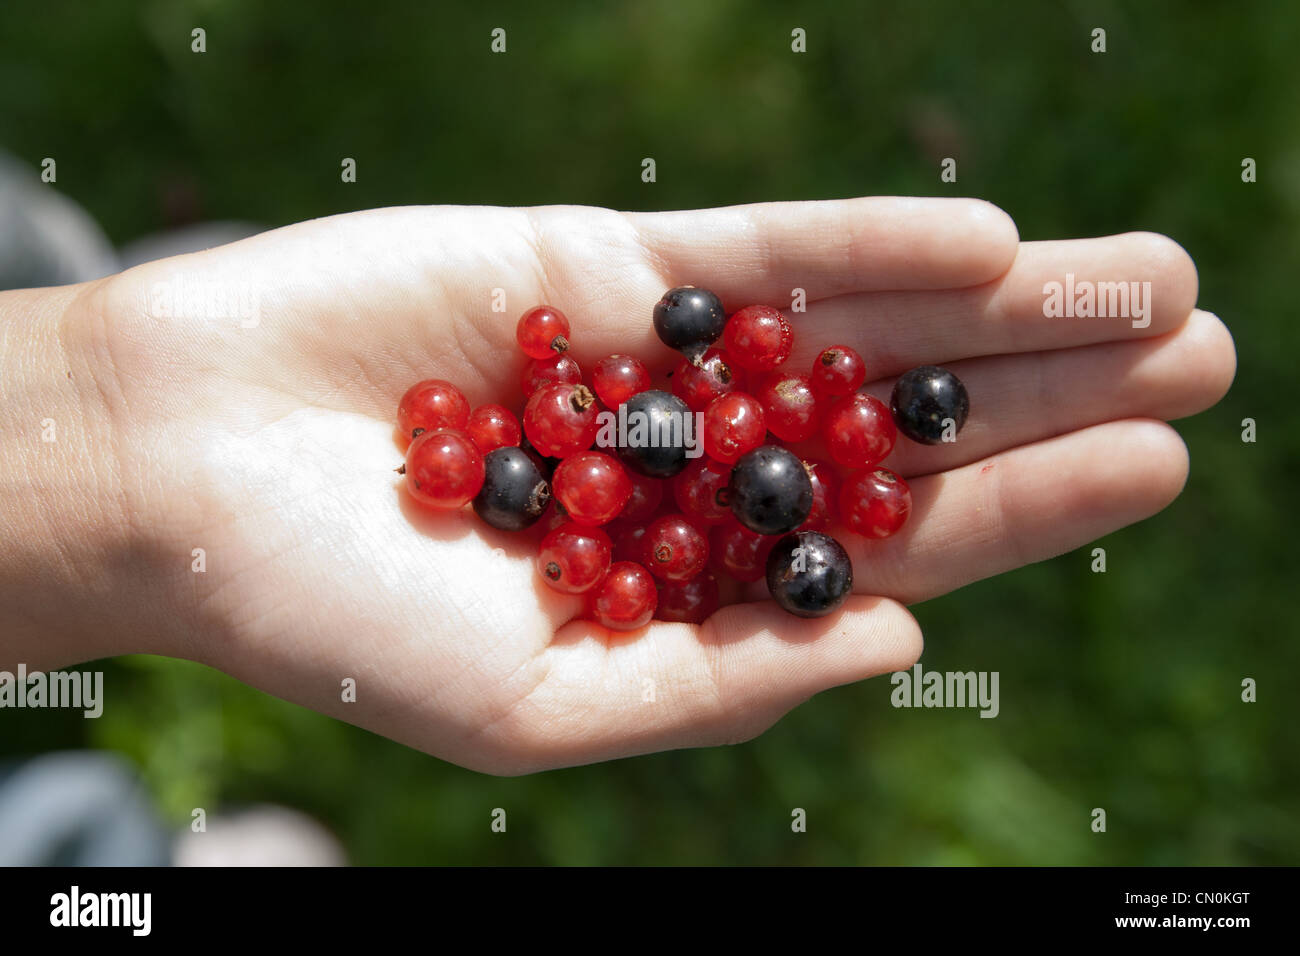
271	447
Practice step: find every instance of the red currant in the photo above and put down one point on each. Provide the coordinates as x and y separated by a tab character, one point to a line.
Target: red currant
554	517
739	552
616	378
542	332
701	490
875	503
826	496
733	425
560	420
689	602
492	427
789	406
647	495
629	543
431	404
758	338
838	371
593	487
859	431
444	468
626	599
674	548
547	371
698	385
695	521
573	559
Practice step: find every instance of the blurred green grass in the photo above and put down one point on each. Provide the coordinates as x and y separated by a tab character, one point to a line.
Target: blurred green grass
1118	691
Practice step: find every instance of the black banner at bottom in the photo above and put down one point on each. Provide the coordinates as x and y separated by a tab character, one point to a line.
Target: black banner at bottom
305	905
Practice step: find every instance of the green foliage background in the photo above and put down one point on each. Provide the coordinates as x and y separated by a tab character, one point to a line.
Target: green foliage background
1119	690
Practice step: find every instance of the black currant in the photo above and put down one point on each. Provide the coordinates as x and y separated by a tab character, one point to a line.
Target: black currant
653	442
809	574
770	490
923	398
515	491
689	320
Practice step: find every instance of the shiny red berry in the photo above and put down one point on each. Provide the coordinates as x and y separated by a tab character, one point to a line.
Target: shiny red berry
431	404
573	559
647	495
733	424
616	378
740	553
698	385
789	406
838	370
626	599
560	420
826	496
695	521
548	371
674	549
758	338
542	332
701	490
444	469
859	431
593	487
492	427
875	503
688	602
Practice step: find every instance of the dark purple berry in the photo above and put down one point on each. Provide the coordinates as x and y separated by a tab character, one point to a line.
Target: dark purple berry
770	491
924	398
515	491
653	443
809	574
689	320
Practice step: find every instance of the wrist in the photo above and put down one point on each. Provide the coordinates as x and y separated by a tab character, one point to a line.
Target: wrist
73	557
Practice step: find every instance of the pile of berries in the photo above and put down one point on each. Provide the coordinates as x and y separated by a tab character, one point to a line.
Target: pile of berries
644	527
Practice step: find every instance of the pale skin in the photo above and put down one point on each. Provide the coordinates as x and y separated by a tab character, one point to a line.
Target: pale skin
272	449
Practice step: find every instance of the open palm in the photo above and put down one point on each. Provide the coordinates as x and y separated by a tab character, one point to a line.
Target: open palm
271	447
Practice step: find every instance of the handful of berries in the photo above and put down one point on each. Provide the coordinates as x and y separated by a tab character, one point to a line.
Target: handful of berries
644	495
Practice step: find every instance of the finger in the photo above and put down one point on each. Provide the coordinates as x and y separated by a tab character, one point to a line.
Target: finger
759	253
895	331
1019	399
675	685
1022	506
